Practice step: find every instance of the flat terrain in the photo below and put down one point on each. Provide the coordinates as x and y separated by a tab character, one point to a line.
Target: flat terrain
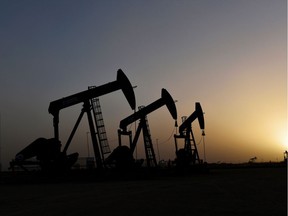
245	191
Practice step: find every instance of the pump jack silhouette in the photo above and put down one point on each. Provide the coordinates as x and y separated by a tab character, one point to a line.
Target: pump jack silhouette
123	155
189	154
48	151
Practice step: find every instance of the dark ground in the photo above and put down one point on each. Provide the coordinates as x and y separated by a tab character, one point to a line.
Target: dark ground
233	191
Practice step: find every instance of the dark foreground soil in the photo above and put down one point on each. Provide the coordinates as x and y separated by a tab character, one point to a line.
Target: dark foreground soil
253	191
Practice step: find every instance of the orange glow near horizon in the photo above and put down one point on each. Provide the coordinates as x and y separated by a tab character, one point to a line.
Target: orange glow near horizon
285	140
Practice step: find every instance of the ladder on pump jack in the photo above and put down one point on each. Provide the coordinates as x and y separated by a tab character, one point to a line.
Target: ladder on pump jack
190	143
191	147
100	127
149	151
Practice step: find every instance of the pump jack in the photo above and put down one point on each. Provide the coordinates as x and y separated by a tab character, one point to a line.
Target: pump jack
124	155
50	154
189	154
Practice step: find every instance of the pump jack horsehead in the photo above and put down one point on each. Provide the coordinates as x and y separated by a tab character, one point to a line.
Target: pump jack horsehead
48	151
122	156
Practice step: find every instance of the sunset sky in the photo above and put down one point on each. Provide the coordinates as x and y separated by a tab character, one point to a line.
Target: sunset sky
229	55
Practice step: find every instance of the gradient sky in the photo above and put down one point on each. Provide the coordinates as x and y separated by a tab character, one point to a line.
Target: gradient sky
229	55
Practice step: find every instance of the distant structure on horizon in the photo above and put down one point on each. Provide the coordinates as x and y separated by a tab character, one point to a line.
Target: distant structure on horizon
285	156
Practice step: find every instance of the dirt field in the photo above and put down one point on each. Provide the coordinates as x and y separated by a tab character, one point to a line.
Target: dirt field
253	191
